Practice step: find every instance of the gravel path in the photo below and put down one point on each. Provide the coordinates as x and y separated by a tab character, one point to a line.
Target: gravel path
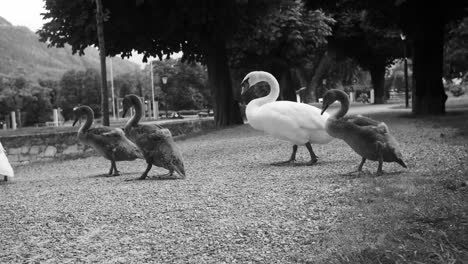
233	207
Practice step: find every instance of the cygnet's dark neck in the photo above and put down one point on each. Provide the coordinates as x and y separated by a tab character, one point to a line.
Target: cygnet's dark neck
343	98
136	102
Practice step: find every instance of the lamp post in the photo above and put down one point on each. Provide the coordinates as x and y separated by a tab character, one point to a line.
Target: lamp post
152	92
403	37
164	81
112	88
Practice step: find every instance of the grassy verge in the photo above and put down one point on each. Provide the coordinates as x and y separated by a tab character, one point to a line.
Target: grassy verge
417	217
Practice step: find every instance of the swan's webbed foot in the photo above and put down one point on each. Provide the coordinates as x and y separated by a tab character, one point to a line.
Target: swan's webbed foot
116	173
290	161
312	162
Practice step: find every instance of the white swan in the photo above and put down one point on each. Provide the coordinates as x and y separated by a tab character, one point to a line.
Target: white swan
298	123
5	168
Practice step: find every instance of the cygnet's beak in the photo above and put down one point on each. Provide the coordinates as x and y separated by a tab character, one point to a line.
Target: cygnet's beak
180	170
402	163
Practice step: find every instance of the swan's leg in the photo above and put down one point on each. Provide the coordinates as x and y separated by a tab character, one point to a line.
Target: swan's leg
361	164
291	159
313	157
5	178
145	174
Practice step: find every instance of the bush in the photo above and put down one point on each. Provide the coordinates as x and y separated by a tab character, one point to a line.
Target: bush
457	90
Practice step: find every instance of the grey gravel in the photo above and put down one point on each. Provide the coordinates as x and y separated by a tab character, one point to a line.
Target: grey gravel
233	207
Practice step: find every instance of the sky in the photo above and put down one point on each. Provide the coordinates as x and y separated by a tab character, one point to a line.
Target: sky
28	13
23	12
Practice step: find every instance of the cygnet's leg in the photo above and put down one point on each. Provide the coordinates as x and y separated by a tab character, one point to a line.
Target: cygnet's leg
361	164
313	157
111	169
148	168
291	159
116	172
380	158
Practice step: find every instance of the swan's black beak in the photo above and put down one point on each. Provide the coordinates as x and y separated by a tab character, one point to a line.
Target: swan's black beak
124	112
324	107
245	86
76	120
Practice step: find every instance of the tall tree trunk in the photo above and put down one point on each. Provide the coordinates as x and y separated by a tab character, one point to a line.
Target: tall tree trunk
287	91
377	72
102	55
226	109
428	39
317	77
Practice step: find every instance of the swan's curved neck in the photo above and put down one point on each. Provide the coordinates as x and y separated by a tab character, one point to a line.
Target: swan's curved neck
272	96
89	120
136	102
344	101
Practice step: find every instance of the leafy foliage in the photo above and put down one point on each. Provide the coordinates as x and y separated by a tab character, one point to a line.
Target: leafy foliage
80	88
288	32
186	87
456	50
31	102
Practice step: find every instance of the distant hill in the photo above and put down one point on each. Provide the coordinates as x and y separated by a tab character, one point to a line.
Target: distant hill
21	54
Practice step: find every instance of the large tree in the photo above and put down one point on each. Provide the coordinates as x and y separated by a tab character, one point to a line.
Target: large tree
367	32
199	28
425	22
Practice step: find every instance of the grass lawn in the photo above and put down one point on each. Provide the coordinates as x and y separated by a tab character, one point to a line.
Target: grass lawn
234	207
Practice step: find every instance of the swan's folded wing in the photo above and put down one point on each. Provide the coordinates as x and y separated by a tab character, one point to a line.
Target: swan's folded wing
303	115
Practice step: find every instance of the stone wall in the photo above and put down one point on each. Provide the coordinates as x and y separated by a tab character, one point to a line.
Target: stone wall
24	149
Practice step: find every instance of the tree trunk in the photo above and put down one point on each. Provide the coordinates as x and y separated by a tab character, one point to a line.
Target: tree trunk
102	55
428	94
377	72
320	70
287	91
226	109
